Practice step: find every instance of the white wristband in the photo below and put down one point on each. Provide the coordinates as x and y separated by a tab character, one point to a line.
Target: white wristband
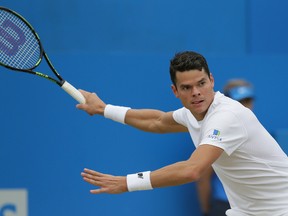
139	181
116	113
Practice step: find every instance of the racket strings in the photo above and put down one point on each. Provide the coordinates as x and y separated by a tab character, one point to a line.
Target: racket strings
19	47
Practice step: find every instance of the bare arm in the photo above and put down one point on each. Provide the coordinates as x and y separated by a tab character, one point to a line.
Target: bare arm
187	171
175	174
144	119
153	121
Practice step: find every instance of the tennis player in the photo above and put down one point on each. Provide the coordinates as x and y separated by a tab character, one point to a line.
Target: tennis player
227	135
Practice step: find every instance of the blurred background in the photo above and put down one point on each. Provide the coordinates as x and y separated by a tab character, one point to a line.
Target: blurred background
121	50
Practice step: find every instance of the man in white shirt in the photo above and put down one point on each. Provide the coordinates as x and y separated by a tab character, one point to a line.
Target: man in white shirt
227	136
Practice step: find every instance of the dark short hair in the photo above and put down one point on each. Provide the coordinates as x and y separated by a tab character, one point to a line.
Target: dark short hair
185	61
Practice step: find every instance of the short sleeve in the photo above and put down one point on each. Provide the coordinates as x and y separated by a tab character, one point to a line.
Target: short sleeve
184	117
178	116
224	130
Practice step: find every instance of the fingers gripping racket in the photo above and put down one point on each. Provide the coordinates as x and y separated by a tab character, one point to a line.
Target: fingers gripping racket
21	50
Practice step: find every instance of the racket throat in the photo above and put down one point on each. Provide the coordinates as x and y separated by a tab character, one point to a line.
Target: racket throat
61	83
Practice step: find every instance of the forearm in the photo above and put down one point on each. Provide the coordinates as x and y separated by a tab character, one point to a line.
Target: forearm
175	174
172	175
149	120
144	119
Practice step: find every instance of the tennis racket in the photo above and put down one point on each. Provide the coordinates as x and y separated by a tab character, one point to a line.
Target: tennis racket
22	51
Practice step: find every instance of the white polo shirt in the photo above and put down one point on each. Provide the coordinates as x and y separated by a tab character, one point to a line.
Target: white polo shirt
253	168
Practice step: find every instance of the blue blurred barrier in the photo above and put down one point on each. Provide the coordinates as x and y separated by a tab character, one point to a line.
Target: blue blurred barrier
281	135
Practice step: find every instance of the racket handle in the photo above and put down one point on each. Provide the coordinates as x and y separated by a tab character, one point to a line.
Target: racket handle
71	90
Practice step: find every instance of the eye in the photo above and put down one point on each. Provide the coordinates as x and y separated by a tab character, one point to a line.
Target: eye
202	83
185	88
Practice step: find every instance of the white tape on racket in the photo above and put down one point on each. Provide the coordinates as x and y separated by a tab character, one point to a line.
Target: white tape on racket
71	90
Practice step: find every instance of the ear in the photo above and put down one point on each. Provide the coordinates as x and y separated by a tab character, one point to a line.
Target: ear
174	89
212	80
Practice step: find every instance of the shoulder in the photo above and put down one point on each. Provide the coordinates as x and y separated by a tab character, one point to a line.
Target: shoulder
224	107
184	117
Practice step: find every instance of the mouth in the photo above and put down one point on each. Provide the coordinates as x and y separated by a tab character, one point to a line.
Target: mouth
197	102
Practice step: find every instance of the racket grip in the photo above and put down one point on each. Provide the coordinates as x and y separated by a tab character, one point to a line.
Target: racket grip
71	90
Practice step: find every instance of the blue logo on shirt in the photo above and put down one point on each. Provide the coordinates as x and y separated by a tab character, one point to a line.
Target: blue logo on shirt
215	135
216	132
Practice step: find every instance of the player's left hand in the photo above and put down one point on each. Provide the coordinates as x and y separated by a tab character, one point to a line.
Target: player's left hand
106	183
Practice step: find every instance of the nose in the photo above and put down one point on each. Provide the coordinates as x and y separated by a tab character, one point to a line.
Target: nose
195	91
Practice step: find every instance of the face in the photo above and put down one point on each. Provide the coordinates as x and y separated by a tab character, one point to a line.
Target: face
195	90
247	102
